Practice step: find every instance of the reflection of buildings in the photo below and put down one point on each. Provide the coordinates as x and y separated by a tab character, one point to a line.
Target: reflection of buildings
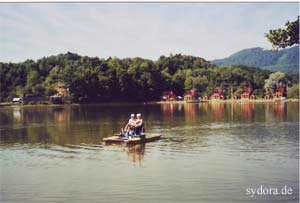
168	108
61	115
267	111
280	110
275	111
136	152
17	114
218	110
190	111
247	110
204	106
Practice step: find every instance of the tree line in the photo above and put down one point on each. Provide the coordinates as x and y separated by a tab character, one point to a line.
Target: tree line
91	79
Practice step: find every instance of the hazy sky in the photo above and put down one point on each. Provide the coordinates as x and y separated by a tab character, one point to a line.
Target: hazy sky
149	30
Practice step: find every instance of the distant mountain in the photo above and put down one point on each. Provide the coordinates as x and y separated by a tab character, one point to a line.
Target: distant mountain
285	60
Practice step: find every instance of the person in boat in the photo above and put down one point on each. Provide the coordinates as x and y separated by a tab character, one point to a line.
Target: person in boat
129	129
139	125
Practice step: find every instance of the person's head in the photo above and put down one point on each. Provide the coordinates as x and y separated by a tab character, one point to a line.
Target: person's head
132	116
138	115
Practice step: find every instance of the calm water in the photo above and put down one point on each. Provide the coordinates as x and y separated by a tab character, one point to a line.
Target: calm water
208	153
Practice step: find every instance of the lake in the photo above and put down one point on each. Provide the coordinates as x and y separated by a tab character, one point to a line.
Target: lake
209	152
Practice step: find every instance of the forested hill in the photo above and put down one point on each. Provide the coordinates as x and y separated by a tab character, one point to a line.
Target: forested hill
285	60
91	79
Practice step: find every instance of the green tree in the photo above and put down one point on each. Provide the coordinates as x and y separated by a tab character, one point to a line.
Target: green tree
275	81
284	37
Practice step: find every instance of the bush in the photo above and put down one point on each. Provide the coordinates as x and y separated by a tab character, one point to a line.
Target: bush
293	92
259	93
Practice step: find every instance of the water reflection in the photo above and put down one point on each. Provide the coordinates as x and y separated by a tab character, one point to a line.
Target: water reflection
136	152
190	111
60	114
17	114
218	111
280	110
89	124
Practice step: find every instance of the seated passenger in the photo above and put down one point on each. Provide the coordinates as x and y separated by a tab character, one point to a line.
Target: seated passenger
139	125
129	128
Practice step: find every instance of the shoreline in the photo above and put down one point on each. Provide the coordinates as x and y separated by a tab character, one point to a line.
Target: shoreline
229	101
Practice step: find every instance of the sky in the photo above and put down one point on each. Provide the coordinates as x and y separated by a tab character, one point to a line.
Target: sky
148	30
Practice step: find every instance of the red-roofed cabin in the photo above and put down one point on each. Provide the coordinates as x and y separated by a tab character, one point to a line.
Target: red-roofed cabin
190	95
205	98
168	96
247	94
279	93
217	94
267	97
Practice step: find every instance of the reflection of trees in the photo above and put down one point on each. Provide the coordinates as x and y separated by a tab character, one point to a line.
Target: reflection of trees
278	111
136	152
292	111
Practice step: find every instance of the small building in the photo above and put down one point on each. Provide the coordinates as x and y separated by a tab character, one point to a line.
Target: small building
56	99
267	97
247	94
217	94
190	95
62	90
205	98
33	98
279	93
62	94
17	100
168	96
179	98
